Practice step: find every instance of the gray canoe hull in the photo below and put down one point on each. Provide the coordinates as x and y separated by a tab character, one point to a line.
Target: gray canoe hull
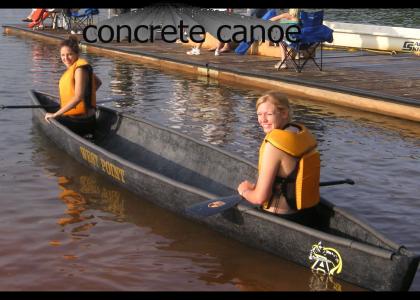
175	171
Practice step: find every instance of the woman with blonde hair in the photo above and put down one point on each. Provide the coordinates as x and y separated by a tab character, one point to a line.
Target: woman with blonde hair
291	15
283	146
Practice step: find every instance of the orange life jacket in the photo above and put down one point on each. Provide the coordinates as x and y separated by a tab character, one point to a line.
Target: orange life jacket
301	187
67	89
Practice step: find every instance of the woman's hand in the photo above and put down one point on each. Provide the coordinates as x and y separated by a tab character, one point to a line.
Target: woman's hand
49	116
245	186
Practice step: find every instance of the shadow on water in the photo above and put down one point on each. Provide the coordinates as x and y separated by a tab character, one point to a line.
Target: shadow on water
221	263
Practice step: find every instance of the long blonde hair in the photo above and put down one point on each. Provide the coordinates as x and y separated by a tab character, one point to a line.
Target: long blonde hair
294	12
280	101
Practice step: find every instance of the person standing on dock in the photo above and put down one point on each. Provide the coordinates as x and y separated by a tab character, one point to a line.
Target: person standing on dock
289	165
77	87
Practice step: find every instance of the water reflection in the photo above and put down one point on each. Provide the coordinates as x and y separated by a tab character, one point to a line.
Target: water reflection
192	103
122	82
195	247
180	102
76	205
323	282
45	65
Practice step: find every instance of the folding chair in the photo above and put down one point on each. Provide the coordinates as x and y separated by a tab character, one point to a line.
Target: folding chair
79	21
304	48
54	14
66	18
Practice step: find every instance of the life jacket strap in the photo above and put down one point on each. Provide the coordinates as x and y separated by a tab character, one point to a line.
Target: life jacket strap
287	188
87	94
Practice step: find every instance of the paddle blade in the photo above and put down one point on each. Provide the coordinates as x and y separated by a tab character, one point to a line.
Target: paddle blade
213	206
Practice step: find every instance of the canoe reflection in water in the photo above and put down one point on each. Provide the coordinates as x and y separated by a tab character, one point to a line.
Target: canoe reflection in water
323	282
78	197
212	262
76	205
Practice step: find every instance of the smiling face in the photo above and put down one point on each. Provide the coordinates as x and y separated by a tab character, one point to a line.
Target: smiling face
271	117
68	56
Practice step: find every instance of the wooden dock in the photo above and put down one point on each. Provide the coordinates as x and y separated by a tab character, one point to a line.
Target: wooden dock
371	81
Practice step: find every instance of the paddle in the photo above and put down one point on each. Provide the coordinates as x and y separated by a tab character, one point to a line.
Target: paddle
54	105
28	106
327	183
215	206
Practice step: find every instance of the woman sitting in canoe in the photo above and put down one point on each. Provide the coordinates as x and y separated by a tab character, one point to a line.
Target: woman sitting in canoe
77	86
289	165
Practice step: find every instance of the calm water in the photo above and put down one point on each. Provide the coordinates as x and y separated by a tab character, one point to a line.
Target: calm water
379	16
62	223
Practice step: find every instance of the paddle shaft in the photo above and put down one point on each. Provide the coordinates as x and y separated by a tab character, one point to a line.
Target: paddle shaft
50	106
327	183
28	106
215	206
